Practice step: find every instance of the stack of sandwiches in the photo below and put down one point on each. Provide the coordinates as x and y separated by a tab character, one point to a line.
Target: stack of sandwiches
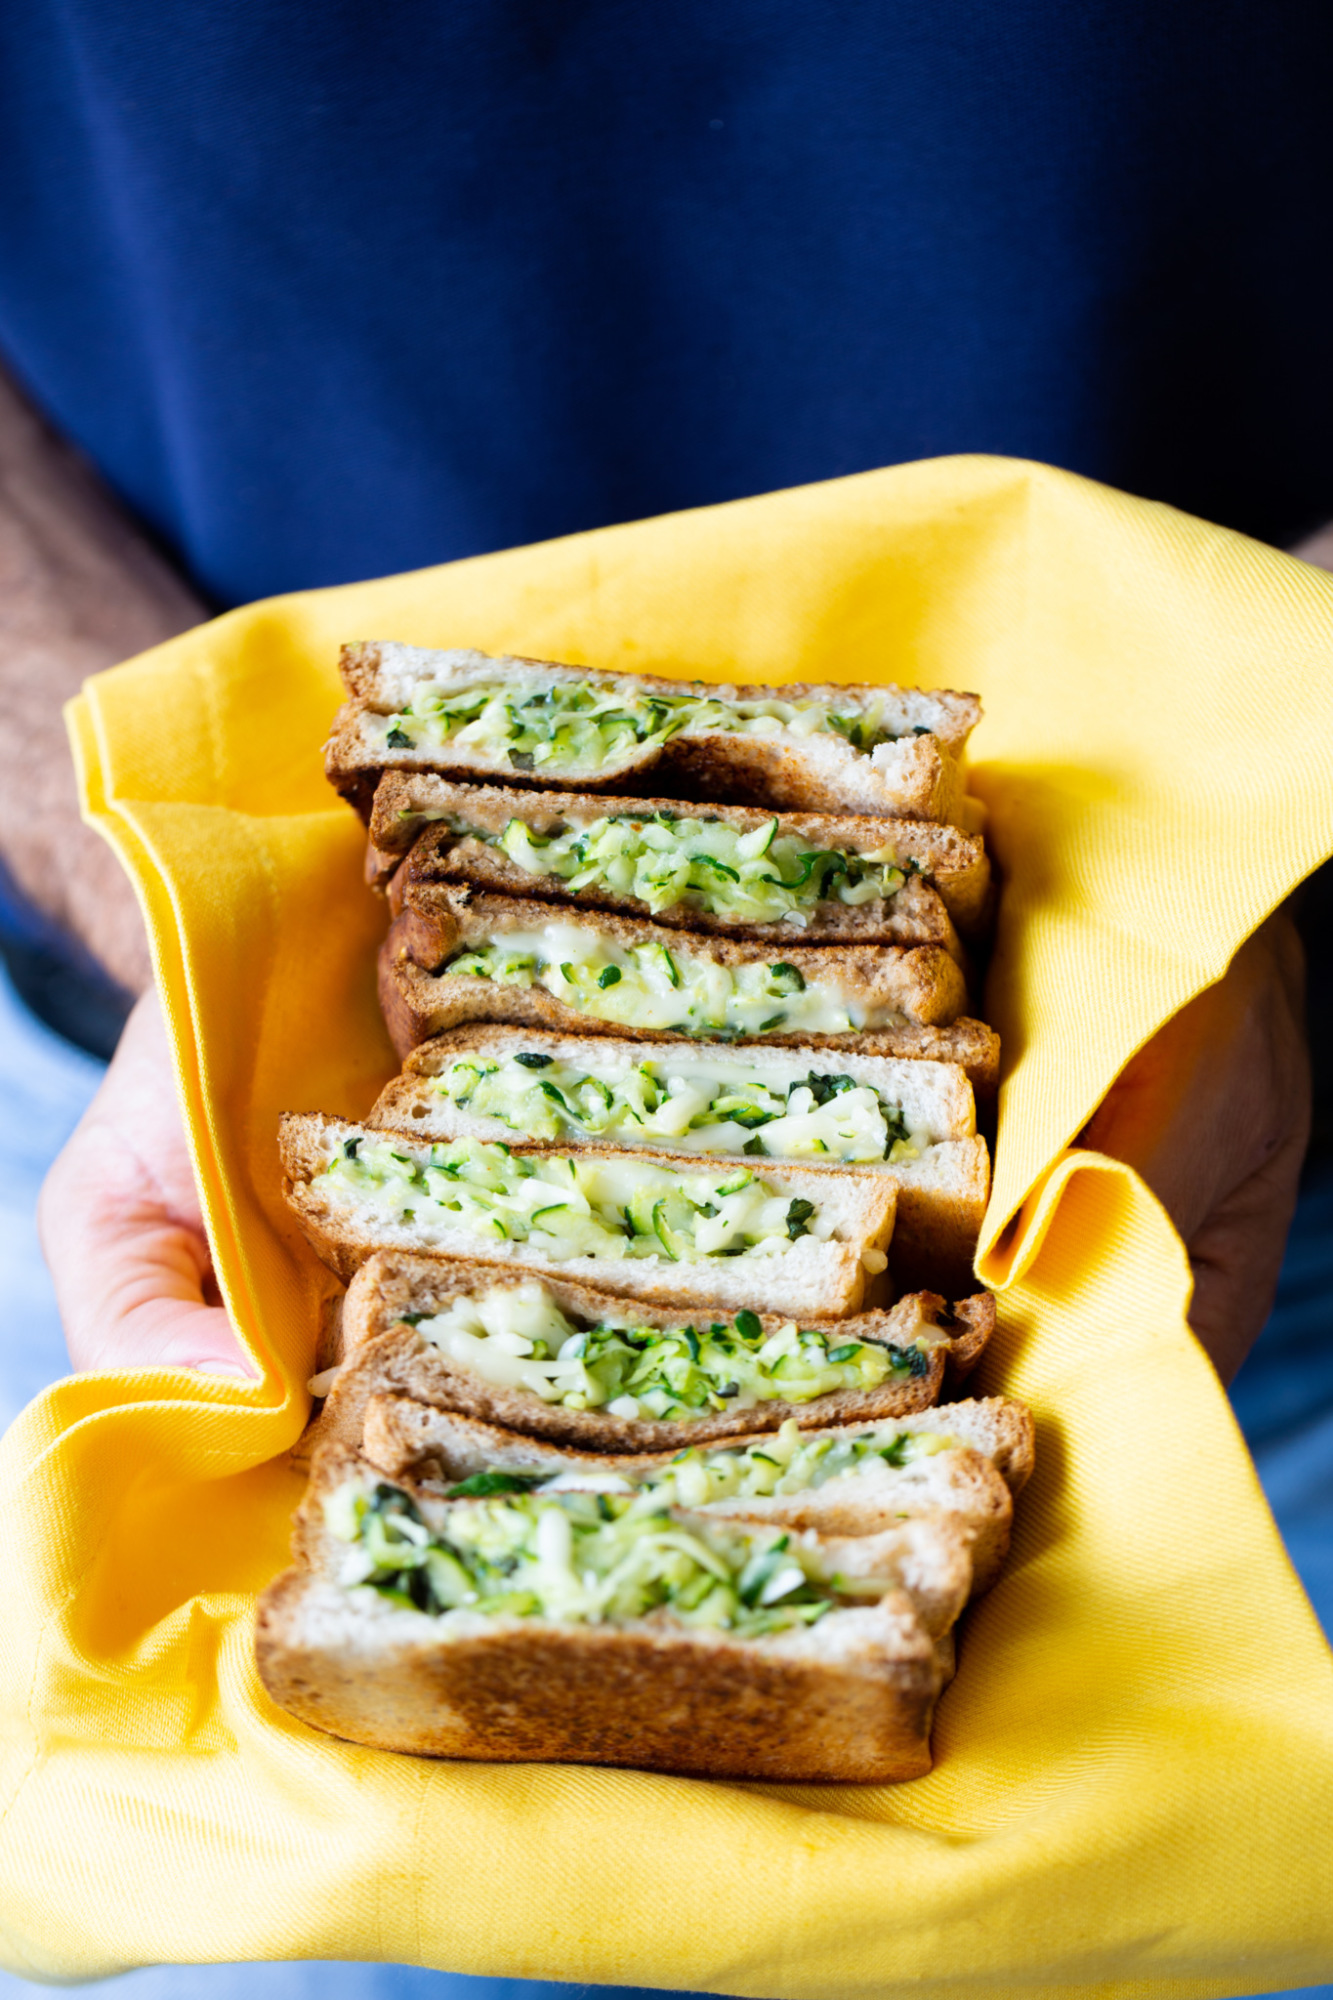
638	1439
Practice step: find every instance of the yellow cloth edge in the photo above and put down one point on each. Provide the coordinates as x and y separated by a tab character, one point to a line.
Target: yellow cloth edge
1042	1190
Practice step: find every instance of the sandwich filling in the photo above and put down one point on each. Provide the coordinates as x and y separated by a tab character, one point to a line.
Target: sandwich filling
790	1461
577	726
582	1559
570	1207
760	877
687	1104
517	1337
672	989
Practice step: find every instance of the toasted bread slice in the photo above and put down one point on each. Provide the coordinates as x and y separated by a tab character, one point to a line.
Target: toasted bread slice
393	1294
577	1090
915	773
804	1240
450	832
702	988
850	1698
963	1478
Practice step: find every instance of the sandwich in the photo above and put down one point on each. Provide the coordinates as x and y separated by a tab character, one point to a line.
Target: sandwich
456	955
644	1224
931	1547
841	1479
914	1122
803	747
737	870
565	1361
586	1627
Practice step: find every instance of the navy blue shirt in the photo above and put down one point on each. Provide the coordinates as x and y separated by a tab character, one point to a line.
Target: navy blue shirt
334	289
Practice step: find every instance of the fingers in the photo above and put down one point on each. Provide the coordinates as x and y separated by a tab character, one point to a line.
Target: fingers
121	1227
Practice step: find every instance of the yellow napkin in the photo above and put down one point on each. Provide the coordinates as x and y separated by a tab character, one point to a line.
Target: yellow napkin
1134	1785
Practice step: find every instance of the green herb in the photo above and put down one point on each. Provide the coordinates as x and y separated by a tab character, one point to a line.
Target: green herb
388	1499
798	1217
847	1353
398	739
531	1059
480	1485
609	976
822	1088
895	1124
858	731
748	1325
349	1150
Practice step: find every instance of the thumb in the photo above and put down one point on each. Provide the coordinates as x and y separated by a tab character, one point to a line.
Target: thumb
121	1228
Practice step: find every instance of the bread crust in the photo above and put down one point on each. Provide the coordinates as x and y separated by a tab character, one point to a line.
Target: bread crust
831	1266
893	983
382	1352
421	816
849	1700
919	777
662	1700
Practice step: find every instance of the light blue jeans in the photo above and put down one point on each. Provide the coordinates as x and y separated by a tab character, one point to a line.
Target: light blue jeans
1284	1398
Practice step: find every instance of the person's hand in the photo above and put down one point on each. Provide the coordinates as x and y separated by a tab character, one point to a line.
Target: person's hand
1214	1113
121	1227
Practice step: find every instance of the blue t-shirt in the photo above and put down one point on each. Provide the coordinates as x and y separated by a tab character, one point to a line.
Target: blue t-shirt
334	289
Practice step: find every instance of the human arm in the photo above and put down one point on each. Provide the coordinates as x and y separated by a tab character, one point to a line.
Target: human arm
81	587
1214	1113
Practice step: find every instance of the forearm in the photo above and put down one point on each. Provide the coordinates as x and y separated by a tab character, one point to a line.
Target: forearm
80	588
1317	548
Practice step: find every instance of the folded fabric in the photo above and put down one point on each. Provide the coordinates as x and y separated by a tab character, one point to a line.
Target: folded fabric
1133	1788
